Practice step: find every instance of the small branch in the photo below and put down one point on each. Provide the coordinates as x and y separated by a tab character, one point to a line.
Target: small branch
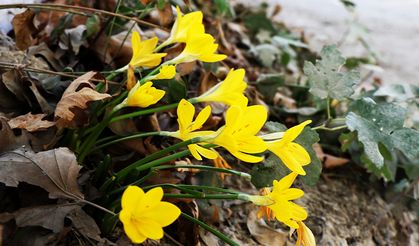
99	207
71	8
40	70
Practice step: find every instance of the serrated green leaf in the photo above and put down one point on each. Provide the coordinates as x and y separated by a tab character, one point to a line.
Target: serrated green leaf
407	140
325	78
380	130
274	169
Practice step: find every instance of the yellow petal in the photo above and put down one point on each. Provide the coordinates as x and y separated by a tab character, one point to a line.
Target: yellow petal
285	182
185	113
164	214
305	236
209	154
293	132
133	233
251	144
131	80
194	151
166	72
150	199
300	154
292	193
298	212
289	160
201	118
131	196
246	158
150	228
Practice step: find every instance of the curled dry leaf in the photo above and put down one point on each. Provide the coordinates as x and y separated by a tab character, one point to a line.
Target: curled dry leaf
24	28
8	140
54	170
80	92
329	161
31	122
264	234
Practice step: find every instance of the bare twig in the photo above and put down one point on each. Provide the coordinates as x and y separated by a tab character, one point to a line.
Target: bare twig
82	10
25	67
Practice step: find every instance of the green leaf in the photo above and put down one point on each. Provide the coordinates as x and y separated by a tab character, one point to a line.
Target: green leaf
380	130
407	140
325	77
257	21
274	169
267	84
177	90
224	8
92	25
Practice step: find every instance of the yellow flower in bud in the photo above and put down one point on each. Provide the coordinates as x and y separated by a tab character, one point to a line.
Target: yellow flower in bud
293	155
238	136
230	91
166	72
131	80
199	47
142	52
144	214
305	236
188	127
282	208
191	22
143	95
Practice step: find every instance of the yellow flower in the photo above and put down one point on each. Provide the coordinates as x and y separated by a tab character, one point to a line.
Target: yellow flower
166	72
305	236
191	22
144	214
198	47
187	126
292	154
283	209
142	52
230	91
238	134
143	95
131	80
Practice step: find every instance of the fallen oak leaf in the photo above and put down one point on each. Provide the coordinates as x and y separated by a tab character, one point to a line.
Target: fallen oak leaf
8	139
54	170
75	98
24	28
48	216
30	122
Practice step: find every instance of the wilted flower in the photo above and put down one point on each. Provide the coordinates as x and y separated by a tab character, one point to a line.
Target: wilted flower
144	214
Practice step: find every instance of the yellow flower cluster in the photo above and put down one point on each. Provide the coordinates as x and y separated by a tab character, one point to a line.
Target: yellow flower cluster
143	214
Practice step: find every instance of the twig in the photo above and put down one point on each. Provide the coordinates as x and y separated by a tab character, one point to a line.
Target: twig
71	8
41	70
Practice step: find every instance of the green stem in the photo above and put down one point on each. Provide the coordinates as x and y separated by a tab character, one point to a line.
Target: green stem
205	196
135	136
217	233
328	108
163	160
139	164
208	168
144	112
324	128
99	207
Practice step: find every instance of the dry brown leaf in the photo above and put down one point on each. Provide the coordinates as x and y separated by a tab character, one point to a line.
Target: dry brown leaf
329	161
48	216
84	224
24	28
264	234
54	170
31	122
8	140
76	98
165	15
